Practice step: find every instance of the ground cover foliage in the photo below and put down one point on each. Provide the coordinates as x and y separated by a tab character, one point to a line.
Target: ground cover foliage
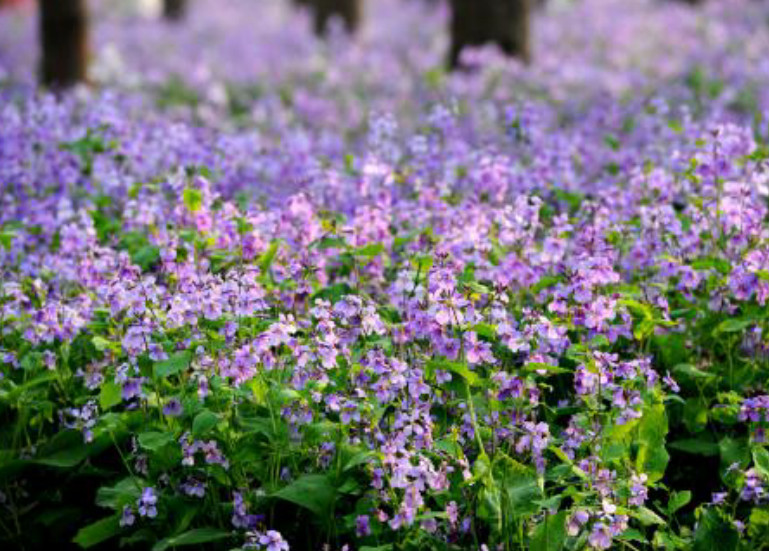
262	291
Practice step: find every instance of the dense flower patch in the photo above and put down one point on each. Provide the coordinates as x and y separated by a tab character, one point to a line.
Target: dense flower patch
351	309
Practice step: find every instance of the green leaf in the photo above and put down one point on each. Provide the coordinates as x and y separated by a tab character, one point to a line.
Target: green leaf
696	446
759	521
370	250
652	457
193	199
330	243
125	492
267	258
678	500
173	365
333	293
733	325
719	264
154	440
192	537
66	458
519	488
101	343
536	367
647	517
550	534
692	372
695	415
98	532
715	533
204	422
733	451
109	395
313	492
146	257
457	368
632	535
761	459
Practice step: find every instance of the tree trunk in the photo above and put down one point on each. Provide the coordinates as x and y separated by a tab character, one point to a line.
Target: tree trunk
501	22
349	11
64	41
174	10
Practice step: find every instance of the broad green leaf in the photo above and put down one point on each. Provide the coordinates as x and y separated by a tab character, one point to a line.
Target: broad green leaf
146	257
692	372
203	423
519	487
333	293
370	250
733	452
537	367
550	534
101	343
457	368
109	395
761	460
696	413
125	492
66	458
313	492
712	263
330	243
173	365
266	259
678	500
193	199
715	533
154	440
652	457
192	537
98	532
647	517
696	446
733	325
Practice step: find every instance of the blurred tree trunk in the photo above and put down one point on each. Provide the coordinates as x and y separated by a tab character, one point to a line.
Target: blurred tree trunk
502	22
349	11
174	10
64	42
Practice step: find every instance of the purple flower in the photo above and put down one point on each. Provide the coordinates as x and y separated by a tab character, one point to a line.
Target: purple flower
718	498
173	408
127	517
132	388
452	513
576	522
753	488
362	527
273	541
194	488
600	536
638	489
240	516
147	503
670	382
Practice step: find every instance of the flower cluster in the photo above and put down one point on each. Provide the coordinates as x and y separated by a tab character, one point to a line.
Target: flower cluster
386	309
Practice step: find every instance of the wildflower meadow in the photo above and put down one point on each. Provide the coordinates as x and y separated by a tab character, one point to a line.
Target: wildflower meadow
270	285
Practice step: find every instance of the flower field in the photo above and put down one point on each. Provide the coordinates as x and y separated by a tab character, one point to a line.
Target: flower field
263	290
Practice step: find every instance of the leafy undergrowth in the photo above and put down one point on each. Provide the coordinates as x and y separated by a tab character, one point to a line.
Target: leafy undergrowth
549	372
352	309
